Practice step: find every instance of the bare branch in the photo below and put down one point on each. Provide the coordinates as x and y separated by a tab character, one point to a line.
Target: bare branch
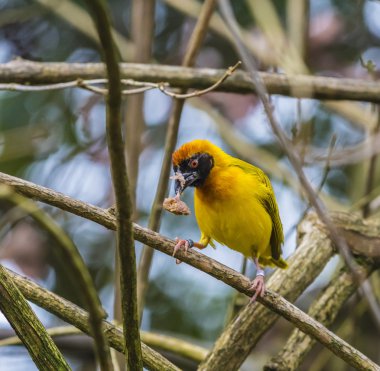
198	93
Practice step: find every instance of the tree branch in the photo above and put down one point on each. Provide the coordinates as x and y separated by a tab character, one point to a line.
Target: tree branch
28	327
78	317
299	86
205	264
124	242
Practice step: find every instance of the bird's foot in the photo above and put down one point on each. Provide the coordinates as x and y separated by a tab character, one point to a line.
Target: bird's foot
187	245
258	285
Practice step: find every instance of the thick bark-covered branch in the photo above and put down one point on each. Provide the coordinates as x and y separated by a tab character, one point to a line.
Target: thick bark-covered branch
217	270
78	317
300	86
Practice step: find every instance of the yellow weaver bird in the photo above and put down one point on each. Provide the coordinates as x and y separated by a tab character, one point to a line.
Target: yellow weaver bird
234	205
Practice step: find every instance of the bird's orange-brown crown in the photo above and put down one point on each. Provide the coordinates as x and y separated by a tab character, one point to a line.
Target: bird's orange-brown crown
189	149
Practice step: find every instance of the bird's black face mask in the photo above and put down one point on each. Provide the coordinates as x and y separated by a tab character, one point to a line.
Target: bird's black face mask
192	172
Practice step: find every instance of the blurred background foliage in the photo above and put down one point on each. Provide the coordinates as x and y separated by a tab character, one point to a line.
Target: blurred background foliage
57	139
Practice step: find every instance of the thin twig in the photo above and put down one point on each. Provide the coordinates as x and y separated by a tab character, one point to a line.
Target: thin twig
314	200
197	93
125	242
192	50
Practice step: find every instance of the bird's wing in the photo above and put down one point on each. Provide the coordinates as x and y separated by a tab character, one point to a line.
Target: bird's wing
269	202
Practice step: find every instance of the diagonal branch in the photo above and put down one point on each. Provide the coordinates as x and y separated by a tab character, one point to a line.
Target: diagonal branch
215	269
125	242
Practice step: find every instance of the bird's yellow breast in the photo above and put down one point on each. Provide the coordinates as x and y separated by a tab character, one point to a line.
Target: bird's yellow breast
228	210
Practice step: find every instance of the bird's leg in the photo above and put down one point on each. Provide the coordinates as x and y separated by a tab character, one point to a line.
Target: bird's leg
188	244
258	284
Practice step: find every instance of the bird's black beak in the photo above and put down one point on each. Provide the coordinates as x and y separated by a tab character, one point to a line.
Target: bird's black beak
187	180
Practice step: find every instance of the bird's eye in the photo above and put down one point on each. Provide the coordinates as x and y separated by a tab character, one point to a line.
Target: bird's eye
193	163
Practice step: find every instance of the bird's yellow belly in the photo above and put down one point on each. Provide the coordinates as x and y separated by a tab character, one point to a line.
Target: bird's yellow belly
243	226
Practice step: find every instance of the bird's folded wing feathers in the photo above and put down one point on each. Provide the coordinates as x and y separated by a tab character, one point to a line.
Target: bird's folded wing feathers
269	202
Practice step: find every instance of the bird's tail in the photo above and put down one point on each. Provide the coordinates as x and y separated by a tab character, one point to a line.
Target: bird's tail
270	262
281	263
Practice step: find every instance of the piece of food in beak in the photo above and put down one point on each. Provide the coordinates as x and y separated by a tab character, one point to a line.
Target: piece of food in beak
180	182
176	206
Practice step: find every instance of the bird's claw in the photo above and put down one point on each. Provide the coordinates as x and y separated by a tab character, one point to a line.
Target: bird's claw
258	285
178	246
